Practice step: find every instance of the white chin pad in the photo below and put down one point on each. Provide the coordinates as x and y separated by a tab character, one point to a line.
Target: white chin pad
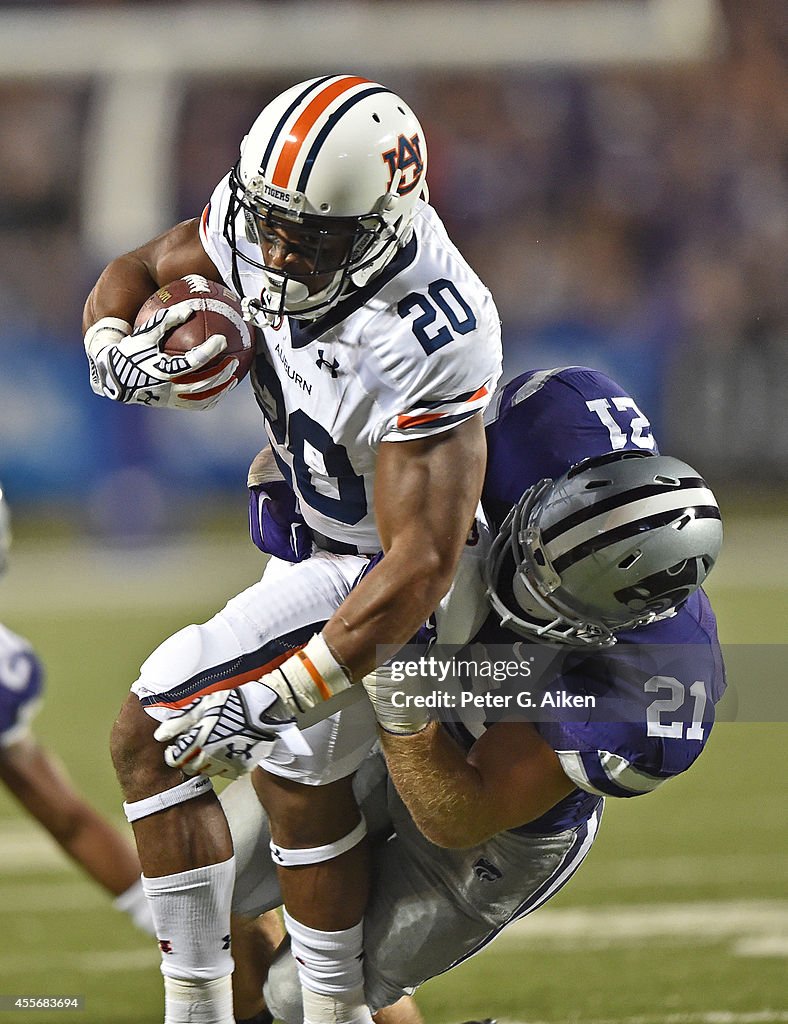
296	291
528	601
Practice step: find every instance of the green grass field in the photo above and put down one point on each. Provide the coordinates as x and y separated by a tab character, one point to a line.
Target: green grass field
679	914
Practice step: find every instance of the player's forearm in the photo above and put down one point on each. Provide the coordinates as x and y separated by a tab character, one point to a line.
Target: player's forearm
445	795
387	608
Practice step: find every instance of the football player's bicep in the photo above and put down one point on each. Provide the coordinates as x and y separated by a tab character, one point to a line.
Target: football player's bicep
176	253
521	774
427	490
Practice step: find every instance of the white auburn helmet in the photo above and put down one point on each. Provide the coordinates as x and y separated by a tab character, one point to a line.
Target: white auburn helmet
618	541
337	154
5	533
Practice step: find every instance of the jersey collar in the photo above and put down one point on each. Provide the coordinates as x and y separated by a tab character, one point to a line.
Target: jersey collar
303	332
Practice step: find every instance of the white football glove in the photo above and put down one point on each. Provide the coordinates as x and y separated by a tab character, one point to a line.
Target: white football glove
130	366
394	711
228	732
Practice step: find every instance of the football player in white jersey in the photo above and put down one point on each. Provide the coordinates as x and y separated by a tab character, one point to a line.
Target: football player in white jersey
37	780
378	347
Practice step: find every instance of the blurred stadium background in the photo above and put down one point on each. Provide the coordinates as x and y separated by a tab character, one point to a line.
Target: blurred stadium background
616	172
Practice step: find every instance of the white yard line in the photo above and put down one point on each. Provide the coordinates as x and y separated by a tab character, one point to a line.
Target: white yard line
91	962
675	922
705	1017
27	848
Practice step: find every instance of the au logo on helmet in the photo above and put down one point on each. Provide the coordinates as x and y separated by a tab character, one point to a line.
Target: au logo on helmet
406	157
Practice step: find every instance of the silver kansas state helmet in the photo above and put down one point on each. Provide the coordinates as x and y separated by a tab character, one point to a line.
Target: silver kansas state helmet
5	533
617	542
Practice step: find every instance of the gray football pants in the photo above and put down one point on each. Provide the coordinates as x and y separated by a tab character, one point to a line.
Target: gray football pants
430	908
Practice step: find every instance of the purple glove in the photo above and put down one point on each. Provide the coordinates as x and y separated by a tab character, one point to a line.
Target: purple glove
275	524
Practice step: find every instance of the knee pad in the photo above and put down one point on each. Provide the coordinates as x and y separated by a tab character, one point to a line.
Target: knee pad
318	854
179	794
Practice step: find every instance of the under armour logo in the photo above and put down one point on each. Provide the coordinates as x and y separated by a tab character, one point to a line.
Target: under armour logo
225	942
277	854
332	367
232	751
486	871
165	945
146	397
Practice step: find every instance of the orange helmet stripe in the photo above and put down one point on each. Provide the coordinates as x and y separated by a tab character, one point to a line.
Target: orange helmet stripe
304	124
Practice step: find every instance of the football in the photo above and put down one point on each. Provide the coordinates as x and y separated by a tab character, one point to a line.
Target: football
217	310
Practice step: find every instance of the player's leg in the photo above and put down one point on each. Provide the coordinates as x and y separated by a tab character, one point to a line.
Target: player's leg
257	889
431	909
451	904
255	941
318	833
185	853
183	841
40	783
318	842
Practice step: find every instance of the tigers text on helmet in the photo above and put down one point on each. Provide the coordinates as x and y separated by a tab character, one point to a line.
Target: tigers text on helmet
335	168
5	533
617	542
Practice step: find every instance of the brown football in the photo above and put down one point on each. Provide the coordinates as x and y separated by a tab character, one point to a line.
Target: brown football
217	310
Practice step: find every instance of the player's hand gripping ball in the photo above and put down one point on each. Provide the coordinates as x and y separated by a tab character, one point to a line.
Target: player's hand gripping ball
189	346
215	311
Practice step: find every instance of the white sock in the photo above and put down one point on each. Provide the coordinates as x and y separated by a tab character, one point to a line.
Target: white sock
135	903
331	972
191	913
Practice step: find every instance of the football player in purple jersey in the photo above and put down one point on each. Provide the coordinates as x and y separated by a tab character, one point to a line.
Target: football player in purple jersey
34	776
601	550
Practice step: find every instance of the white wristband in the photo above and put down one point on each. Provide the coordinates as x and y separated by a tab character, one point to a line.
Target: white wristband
313	674
109	330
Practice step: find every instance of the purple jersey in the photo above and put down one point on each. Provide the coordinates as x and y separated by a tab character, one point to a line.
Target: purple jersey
544	421
658	685
21	684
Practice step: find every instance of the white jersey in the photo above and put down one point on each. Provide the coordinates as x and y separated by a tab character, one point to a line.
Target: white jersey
413	353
